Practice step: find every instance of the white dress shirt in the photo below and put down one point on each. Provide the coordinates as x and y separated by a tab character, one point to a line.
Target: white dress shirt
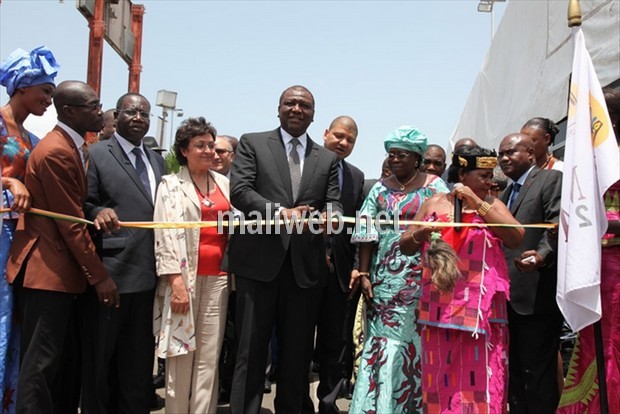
128	147
301	149
77	138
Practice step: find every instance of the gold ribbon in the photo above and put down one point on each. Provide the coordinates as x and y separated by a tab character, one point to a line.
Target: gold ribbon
236	222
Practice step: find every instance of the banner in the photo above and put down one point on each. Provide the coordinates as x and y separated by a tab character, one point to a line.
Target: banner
591	166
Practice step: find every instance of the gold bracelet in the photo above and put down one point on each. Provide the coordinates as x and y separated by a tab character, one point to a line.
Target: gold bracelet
484	209
362	274
414	239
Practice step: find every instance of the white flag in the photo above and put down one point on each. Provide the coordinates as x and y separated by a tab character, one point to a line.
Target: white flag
591	166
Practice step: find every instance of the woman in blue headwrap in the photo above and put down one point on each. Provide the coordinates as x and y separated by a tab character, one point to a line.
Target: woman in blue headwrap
29	81
388	379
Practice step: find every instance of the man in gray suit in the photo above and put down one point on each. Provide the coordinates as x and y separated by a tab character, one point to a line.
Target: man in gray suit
279	276
118	342
534	317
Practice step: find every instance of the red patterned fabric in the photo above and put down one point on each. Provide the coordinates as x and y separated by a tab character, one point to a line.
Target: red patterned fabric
465	333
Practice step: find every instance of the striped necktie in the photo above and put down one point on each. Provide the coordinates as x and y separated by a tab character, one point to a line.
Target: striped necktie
85	155
294	167
141	170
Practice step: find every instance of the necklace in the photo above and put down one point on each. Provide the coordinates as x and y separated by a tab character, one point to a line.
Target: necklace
205	198
402	186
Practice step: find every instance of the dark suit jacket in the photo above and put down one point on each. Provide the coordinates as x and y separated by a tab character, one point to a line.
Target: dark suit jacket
352	197
538	202
261	182
368	184
57	255
128	254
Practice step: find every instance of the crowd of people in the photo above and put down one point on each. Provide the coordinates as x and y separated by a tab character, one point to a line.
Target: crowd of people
447	318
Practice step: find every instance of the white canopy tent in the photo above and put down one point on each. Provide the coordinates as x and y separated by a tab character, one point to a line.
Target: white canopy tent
527	68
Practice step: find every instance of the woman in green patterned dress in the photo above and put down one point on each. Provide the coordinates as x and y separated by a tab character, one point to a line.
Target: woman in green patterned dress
389	376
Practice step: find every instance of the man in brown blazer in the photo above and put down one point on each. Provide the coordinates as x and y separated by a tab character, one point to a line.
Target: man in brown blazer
52	261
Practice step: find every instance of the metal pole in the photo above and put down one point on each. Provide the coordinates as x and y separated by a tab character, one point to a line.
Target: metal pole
162	132
600	367
95	47
172	127
137	15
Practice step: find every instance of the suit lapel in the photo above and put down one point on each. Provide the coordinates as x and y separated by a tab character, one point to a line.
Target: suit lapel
123	160
524	189
187	186
346	193
310	162
76	153
274	141
150	155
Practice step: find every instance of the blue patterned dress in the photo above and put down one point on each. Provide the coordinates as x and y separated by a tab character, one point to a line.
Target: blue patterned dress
388	380
14	152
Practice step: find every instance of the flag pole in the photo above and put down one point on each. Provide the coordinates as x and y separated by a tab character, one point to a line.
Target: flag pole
574	20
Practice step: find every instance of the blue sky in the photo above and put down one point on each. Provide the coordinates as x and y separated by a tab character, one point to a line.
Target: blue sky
384	63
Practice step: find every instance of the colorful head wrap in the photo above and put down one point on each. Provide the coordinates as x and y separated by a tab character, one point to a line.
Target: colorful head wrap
22	69
474	162
408	138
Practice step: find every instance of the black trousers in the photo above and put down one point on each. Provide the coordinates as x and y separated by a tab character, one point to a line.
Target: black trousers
49	376
294	311
118	353
533	362
334	342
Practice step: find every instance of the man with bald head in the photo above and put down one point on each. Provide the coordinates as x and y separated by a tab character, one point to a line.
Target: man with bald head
279	275
464	142
534	318
337	309
434	161
53	261
224	156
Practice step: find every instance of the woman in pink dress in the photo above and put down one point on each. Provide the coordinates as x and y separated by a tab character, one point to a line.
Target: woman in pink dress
465	285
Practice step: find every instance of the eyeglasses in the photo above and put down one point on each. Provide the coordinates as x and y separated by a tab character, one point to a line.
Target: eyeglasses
133	112
222	151
201	146
399	155
95	106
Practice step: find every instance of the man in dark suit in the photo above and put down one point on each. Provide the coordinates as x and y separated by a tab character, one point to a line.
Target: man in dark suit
334	340
280	275
53	261
534	318
118	342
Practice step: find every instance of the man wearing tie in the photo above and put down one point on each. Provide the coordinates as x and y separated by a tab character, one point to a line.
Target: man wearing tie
279	276
53	261
334	340
534	318
118	343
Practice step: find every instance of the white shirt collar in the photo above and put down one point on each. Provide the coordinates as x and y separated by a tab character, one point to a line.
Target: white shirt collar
128	146
77	138
286	138
522	179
